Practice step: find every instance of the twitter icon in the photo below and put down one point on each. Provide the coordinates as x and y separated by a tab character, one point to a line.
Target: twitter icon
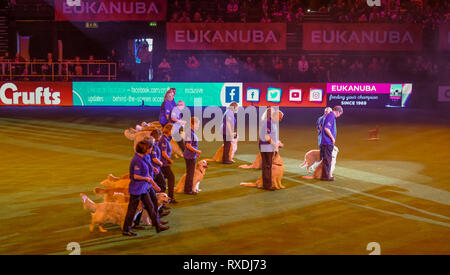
274	95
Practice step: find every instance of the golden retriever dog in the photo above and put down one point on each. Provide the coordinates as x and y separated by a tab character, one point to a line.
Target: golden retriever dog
277	174
121	183
105	212
312	159
143	132
218	157
255	165
110	194
199	173
317	174
162	199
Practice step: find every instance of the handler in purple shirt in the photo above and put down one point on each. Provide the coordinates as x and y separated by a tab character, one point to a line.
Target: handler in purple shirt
191	153
328	140
167	106
139	180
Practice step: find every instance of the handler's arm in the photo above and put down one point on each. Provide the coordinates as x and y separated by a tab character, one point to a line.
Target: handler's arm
328	132
229	129
166	156
157	161
189	147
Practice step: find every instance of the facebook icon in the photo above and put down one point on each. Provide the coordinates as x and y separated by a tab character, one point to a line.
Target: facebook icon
232	94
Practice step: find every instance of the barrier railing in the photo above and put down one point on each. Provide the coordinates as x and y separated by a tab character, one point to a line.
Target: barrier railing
65	70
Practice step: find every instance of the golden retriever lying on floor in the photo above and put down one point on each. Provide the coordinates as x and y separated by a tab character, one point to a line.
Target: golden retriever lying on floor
277	174
115	211
312	159
255	165
200	170
143	132
218	157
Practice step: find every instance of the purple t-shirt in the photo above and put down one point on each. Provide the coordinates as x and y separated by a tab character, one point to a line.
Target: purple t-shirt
329	122
193	140
138	166
164	146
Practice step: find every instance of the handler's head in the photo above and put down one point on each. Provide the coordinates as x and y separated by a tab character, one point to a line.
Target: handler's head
156	134
233	106
338	111
167	130
195	123
144	146
181	104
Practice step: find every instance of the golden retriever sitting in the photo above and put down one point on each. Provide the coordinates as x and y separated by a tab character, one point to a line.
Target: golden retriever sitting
317	174
218	157
255	165
277	174
200	170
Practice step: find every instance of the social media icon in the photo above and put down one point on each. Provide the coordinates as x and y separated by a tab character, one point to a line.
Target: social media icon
315	95
232	94
274	95
295	95
252	95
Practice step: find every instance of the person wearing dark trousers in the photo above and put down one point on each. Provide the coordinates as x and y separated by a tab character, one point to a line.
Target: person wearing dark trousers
228	125
191	153
140	181
167	106
268	144
320	123
328	141
156	161
178	123
166	153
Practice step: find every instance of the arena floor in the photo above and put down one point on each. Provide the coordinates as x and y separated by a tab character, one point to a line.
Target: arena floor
394	191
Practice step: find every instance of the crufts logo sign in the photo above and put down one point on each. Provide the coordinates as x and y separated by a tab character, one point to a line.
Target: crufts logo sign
41	96
372	3
73	3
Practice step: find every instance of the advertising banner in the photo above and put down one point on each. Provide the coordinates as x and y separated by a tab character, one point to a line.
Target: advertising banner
444	94
226	36
285	94
368	94
444	37
362	37
152	93
20	93
107	10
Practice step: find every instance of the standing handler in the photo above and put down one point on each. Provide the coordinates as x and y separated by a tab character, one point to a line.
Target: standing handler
167	106
166	152
268	144
191	153
320	123
139	183
156	161
178	123
228	125
328	140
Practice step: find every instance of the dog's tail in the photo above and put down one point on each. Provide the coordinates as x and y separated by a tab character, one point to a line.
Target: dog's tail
209	159
129	135
248	184
246	166
88	204
303	165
